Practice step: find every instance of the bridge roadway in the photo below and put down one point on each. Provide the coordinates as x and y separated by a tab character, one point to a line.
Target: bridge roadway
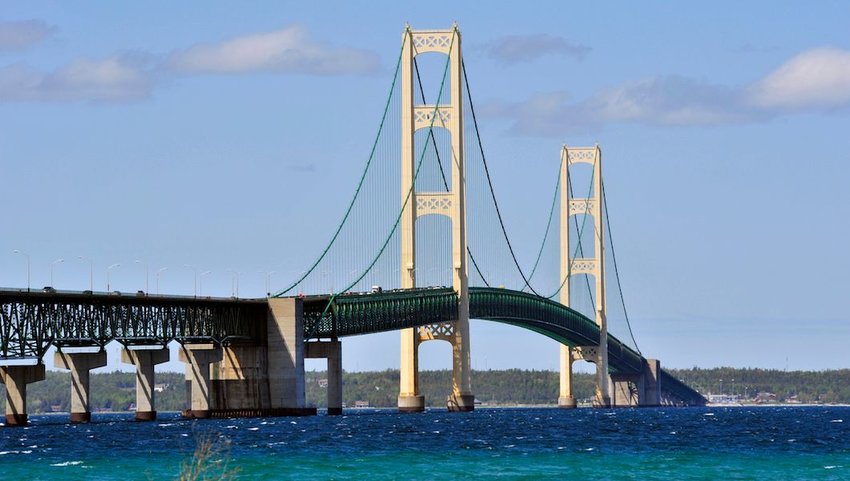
31	321
366	313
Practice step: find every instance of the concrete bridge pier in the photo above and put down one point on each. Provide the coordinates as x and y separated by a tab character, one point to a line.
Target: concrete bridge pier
80	361
198	358
285	346
651	383
240	382
16	378
627	390
637	389
145	358
409	398
332	351
566	399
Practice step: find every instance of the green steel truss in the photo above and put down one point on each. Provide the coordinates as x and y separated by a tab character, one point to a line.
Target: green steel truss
361	313
357	314
32	321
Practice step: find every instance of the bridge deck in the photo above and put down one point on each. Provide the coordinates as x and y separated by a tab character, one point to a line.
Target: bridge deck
31	321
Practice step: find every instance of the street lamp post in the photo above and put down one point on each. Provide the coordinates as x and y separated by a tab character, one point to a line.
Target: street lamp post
160	271
16	251
147	276
234	275
108	269
91	271
201	282
268	281
52	265
196	276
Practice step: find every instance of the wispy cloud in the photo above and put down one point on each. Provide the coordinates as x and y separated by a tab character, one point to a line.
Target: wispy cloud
114	79
818	78
525	48
133	76
814	81
287	50
23	34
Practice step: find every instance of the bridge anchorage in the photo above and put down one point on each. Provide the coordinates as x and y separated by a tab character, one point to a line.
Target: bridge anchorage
245	357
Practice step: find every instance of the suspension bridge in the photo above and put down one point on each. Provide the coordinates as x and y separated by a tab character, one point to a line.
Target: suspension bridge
421	248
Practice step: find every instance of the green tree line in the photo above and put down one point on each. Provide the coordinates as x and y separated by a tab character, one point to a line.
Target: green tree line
831	386
111	391
115	391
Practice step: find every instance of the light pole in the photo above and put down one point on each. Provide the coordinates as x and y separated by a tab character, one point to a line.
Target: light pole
234	274
268	281
57	261
160	271
91	271
196	277
147	277
201	282
16	251
108	269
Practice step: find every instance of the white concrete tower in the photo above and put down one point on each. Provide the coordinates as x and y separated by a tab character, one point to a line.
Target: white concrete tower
452	204
593	266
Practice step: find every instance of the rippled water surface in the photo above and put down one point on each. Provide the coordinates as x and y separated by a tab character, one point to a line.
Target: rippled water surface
644	444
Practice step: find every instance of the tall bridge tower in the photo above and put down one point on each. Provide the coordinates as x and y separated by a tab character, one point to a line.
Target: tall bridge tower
593	266
451	204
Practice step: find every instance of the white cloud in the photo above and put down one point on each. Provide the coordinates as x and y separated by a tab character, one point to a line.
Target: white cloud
658	101
128	77
671	100
525	48
818	78
288	50
815	80
117	78
23	34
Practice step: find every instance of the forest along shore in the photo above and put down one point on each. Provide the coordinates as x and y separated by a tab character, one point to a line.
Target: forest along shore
115	391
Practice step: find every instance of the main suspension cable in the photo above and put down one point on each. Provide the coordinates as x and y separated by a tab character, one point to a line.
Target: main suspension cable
360	182
616	269
580	235
443	172
490	182
407	197
580	247
548	224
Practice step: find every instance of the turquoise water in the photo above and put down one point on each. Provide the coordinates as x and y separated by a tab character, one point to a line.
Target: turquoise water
642	444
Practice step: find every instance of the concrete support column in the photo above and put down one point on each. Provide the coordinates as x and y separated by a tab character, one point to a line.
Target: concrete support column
198	358
240	380
603	380
461	399
335	379
145	358
409	399
627	390
332	351
566	399
286	353
79	363
16	378
651	383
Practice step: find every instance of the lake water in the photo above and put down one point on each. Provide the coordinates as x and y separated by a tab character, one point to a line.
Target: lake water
781	443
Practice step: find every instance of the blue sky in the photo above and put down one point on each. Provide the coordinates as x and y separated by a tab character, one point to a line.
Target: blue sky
214	134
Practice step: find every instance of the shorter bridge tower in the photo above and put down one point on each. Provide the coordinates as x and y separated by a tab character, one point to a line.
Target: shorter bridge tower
448	115
593	266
